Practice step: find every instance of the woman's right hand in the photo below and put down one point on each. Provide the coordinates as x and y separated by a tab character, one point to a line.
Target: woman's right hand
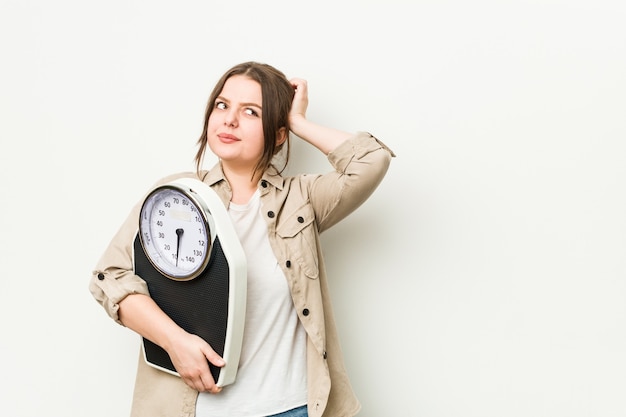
189	354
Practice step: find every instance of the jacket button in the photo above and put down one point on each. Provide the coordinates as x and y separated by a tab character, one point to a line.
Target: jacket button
288	264
300	219
324	355
264	184
305	312
100	276
270	214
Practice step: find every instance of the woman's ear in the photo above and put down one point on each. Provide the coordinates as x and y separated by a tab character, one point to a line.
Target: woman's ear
281	136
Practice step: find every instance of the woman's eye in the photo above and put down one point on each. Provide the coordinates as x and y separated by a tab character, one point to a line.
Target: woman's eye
251	112
220	105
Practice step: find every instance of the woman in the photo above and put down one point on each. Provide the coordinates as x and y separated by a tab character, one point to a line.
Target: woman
291	363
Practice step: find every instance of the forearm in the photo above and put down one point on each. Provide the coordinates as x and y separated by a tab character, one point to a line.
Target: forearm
359	166
189	353
326	139
141	314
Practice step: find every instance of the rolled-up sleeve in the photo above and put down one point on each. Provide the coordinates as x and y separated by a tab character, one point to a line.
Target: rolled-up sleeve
360	165
113	278
358	147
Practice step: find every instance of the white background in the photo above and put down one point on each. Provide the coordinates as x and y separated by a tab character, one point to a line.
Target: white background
485	278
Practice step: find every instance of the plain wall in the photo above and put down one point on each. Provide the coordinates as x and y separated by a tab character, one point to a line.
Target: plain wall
486	277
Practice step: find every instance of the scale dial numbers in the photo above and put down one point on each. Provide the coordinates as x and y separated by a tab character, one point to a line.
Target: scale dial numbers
175	232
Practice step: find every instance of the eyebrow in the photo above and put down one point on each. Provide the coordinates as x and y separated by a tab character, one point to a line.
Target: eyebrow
250	104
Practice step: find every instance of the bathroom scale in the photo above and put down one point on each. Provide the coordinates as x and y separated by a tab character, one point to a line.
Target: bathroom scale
189	254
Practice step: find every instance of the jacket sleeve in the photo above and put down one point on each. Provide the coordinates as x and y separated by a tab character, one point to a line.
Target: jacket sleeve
360	165
114	278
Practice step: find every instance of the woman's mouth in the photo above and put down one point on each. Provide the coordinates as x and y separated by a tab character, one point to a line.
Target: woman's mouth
227	138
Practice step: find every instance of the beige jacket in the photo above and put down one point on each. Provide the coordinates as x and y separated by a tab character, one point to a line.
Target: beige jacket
298	209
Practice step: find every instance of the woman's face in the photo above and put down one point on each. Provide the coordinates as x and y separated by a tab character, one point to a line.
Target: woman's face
235	128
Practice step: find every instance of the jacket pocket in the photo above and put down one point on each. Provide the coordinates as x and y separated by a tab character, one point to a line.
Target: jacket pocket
298	231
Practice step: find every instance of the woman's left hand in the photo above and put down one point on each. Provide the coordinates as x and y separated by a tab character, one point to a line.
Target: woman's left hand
323	138
300	100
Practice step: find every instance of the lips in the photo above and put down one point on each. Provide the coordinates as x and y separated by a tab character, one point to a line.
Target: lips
227	138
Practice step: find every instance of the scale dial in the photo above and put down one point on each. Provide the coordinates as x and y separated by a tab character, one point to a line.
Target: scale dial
175	232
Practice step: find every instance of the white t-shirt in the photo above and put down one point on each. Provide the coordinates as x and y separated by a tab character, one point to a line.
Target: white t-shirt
271	377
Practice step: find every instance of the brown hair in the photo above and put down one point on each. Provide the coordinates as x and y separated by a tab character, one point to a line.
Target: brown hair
277	95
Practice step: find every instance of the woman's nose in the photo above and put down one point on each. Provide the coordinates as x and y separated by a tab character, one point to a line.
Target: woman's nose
230	118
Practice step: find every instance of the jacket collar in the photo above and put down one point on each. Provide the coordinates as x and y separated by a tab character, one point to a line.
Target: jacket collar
272	176
216	175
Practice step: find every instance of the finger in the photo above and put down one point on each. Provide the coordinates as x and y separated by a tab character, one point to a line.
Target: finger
196	383
208	383
210	386
203	382
213	357
298	84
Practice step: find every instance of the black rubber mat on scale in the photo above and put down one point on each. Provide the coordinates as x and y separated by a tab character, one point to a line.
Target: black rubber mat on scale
200	306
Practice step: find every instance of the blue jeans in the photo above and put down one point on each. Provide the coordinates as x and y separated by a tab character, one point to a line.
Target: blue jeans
296	412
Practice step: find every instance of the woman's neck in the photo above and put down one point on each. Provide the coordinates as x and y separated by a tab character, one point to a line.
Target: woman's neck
242	184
